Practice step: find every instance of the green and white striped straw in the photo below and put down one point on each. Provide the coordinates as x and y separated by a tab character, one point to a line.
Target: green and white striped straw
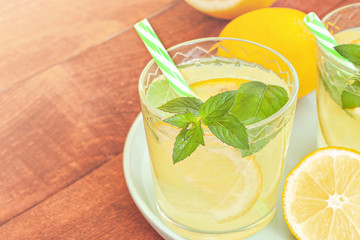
162	58
325	39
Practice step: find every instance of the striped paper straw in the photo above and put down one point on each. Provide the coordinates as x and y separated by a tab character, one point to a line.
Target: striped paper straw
162	58
324	38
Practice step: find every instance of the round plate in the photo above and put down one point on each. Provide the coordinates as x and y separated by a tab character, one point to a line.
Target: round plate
139	179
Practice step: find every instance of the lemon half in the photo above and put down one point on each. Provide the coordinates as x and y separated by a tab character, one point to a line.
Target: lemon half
321	198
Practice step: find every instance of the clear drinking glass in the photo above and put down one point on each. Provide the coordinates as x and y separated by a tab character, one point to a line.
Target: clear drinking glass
338	126
218	192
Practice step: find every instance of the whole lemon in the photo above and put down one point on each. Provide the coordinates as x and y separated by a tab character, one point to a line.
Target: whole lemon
283	30
228	9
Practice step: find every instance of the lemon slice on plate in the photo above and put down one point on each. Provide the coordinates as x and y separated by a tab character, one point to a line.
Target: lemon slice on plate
321	198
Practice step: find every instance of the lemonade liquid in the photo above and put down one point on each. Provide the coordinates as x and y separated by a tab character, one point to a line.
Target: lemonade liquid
216	193
337	126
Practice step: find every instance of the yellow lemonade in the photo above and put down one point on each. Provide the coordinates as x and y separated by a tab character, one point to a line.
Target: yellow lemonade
337	126
216	192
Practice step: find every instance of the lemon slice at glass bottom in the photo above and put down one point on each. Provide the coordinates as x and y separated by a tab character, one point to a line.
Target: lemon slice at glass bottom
321	198
226	183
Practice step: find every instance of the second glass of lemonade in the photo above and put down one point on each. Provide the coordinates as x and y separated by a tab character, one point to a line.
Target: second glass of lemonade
338	125
219	192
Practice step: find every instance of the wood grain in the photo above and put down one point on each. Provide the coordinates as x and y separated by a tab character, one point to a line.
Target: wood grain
94	207
73	117
69	97
320	7
38	34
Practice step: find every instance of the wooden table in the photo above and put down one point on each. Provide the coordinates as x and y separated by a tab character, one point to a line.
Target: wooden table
68	97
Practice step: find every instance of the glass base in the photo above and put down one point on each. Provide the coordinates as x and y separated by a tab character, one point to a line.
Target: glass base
230	235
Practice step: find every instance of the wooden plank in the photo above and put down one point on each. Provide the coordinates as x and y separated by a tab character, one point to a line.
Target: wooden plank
343	3
59	125
320	7
94	207
38	34
7	5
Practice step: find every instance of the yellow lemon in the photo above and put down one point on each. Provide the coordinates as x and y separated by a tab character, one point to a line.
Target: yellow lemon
228	9
321	198
283	30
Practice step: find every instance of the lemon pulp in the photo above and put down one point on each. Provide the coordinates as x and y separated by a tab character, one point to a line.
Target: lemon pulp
321	197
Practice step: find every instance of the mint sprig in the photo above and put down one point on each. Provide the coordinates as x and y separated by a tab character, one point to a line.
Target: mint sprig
225	114
350	95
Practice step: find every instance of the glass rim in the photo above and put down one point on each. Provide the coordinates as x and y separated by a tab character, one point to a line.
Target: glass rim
323	51
292	97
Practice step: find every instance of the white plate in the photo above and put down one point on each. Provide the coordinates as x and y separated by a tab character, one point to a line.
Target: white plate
139	180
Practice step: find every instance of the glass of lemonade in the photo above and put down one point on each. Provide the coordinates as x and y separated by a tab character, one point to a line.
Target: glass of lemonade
219	192
338	125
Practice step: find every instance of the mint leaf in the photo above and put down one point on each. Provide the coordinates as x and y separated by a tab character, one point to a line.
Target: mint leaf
181	120
216	107
197	132
181	105
187	141
231	131
256	101
350	97
349	51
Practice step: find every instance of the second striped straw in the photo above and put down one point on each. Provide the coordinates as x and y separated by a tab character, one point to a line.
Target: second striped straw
325	39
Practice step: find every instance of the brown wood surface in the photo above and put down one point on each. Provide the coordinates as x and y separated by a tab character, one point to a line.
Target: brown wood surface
68	98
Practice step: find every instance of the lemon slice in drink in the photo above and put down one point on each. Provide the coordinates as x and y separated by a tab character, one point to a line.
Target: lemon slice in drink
356	41
227	184
321	198
206	89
